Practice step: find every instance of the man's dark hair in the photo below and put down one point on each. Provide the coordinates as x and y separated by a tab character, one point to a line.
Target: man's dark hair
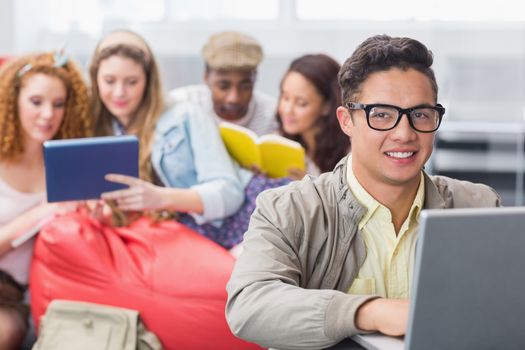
381	53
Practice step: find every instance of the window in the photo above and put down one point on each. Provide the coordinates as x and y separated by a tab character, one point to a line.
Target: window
133	10
223	9
89	15
441	10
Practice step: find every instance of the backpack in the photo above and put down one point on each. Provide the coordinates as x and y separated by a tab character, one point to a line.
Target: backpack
76	325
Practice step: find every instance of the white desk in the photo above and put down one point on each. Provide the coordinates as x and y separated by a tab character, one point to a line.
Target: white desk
377	341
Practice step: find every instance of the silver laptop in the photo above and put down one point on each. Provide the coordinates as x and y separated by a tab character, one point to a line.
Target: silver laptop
469	282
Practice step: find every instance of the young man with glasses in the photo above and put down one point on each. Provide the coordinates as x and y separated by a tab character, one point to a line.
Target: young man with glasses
330	257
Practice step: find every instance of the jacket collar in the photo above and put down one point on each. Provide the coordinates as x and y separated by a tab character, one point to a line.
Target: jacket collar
351	209
433	198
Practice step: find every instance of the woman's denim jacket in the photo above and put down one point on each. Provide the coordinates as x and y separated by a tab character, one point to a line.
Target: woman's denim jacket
188	153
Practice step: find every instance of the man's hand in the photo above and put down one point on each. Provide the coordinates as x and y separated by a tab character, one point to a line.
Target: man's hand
388	316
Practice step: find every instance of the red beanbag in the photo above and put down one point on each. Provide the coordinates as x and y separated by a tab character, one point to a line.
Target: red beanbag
173	276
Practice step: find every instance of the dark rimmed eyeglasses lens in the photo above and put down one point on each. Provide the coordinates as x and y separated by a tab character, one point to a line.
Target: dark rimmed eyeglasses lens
425	119
384	118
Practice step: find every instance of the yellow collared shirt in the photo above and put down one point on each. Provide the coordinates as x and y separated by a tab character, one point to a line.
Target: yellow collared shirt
388	268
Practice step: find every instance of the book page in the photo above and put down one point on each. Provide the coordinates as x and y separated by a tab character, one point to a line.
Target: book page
280	154
241	144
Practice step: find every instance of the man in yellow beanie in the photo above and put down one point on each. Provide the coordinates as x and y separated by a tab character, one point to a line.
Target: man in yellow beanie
231	70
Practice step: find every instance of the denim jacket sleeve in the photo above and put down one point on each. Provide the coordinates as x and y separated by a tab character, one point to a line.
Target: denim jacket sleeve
188	153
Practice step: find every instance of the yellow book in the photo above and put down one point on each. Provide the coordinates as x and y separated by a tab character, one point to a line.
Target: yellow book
272	154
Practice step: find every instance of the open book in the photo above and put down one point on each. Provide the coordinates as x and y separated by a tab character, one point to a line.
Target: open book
272	154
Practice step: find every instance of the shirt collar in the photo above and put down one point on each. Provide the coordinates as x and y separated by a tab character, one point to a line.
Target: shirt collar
371	205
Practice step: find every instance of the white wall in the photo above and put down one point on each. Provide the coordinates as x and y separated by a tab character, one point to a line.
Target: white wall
6	27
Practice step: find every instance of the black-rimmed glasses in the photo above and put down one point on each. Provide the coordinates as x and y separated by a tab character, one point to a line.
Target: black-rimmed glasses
383	117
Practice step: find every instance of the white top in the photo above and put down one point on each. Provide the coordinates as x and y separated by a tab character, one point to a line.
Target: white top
12	204
260	117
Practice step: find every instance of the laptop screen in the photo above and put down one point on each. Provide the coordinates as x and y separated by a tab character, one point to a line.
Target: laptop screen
469	280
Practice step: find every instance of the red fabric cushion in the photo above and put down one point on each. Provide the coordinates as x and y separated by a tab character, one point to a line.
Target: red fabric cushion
4	59
172	275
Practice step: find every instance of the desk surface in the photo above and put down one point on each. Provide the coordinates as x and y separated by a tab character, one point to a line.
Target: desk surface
347	344
373	341
378	341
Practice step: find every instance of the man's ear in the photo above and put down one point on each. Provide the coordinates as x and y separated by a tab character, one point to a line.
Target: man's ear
345	120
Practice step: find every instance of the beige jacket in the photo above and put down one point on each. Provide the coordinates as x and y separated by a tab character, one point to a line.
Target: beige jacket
301	254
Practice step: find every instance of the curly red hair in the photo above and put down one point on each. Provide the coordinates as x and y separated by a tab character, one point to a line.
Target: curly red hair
14	73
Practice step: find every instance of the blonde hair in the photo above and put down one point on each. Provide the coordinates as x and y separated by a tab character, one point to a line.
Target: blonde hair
15	73
130	45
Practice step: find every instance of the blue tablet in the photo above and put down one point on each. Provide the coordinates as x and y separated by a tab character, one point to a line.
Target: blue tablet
75	168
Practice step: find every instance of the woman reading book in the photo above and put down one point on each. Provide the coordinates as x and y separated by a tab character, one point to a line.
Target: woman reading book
308	100
42	97
184	166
